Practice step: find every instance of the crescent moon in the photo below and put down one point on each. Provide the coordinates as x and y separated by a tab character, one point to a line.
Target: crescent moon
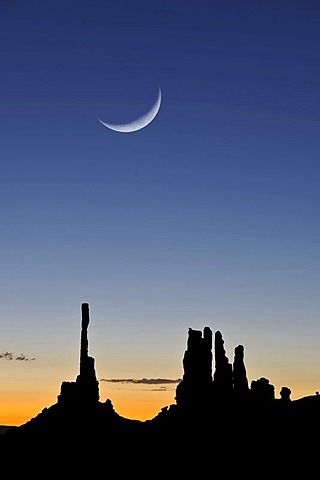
139	123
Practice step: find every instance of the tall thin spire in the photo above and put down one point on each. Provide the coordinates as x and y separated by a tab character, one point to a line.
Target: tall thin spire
85	318
86	387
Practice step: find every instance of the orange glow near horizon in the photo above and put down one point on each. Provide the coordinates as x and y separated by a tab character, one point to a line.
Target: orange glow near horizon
136	402
128	401
139	402
19	409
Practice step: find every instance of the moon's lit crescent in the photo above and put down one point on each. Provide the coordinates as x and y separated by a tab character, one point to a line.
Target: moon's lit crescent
139	123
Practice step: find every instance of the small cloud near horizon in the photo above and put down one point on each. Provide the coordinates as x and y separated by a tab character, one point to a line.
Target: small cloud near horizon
142	381
11	356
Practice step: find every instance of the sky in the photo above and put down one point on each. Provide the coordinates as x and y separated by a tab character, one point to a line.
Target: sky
208	216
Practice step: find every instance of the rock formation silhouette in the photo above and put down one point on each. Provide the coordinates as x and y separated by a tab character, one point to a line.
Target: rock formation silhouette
195	389
85	389
216	419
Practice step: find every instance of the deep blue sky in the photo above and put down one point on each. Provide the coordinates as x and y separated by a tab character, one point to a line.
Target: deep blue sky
208	216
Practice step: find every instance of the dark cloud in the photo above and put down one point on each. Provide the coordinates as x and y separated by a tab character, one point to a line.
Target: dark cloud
11	356
142	381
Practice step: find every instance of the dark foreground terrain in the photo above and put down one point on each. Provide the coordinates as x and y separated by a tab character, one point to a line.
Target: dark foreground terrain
218	427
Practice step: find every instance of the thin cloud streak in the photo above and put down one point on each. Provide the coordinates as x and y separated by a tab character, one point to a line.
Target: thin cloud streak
11	356
142	381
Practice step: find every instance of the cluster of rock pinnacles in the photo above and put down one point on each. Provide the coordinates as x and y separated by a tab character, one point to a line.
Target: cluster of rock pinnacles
199	385
216	422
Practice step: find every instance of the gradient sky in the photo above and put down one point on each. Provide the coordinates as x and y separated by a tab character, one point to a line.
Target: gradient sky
209	216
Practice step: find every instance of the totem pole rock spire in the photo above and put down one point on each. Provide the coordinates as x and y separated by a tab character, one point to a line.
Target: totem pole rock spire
85	319
86	387
87	378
